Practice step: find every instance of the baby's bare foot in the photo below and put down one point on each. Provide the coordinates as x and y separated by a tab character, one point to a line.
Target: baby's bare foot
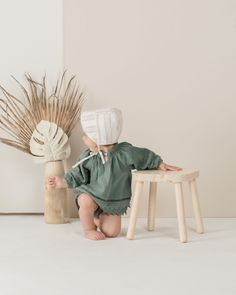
94	235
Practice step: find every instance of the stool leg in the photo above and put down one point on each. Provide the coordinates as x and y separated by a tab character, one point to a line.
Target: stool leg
134	210
180	212
152	206
196	206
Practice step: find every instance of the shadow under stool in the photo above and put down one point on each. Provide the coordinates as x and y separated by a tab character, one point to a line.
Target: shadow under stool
175	177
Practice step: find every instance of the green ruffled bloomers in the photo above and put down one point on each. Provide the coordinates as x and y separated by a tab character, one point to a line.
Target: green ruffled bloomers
109	184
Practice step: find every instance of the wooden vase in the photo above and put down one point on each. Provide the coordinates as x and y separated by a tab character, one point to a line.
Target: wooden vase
55	200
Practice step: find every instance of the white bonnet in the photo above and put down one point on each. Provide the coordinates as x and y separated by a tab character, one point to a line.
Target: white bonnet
103	126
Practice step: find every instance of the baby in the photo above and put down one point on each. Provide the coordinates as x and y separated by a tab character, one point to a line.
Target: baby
102	175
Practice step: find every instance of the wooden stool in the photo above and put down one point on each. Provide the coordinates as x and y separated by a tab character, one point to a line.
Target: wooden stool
175	177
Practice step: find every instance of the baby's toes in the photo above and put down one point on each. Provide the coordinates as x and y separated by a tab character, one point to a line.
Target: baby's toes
101	236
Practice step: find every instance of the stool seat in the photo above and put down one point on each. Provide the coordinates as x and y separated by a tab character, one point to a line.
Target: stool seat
164	176
177	178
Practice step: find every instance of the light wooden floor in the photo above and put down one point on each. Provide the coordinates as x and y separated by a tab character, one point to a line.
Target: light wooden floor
37	258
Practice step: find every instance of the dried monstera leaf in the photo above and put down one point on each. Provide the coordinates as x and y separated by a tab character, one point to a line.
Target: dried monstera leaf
49	143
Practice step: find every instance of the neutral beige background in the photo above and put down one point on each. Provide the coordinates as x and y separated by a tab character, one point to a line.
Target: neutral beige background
31	41
171	67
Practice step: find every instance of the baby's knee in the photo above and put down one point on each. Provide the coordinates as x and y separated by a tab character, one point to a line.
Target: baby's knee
86	201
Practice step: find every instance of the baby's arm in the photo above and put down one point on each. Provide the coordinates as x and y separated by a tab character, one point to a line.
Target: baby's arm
74	177
143	158
57	182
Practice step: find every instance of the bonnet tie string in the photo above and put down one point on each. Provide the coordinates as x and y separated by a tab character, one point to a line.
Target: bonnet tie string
90	156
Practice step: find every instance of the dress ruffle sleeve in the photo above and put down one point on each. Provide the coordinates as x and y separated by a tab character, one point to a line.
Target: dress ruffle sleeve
78	175
143	158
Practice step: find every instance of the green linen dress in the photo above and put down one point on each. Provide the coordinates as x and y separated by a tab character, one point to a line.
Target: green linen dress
109	184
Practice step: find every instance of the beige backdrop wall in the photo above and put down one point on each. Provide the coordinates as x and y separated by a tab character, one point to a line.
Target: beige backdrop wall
171	67
31	41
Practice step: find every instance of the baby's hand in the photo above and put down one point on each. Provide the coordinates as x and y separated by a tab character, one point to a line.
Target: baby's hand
56	182
163	166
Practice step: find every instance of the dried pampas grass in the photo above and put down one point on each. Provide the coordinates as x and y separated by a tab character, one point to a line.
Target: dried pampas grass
19	120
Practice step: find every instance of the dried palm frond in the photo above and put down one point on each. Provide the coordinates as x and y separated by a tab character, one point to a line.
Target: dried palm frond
49	142
22	120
